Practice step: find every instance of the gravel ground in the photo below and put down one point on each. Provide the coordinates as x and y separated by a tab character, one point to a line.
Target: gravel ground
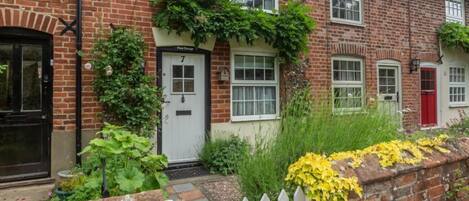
223	189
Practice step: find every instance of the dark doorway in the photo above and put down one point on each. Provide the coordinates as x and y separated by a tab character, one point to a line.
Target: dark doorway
25	104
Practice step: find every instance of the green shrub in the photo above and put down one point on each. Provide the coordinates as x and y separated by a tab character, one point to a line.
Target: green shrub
131	166
453	34
308	125
223	155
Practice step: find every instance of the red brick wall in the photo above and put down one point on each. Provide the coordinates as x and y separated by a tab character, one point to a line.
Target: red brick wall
134	13
220	90
384	35
429	180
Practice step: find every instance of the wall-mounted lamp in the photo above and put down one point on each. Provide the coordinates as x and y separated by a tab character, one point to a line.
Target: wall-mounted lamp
224	74
414	65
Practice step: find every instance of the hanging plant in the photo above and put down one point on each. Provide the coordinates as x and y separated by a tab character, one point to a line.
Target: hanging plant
3	68
454	35
286	30
128	96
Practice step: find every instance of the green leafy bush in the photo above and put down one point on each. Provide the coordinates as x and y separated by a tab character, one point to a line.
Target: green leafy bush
223	155
308	125
129	97
286	30
131	166
453	35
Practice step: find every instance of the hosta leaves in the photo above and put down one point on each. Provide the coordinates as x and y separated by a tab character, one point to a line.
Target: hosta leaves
130	180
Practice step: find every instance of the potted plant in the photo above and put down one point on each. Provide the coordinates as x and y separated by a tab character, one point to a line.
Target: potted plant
65	187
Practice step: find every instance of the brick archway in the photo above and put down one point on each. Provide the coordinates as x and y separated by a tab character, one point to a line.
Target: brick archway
10	17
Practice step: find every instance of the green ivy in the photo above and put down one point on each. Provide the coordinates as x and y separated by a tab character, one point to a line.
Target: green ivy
286	30
3	68
454	35
128	96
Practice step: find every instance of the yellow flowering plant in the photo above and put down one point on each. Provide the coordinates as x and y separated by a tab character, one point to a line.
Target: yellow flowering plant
315	173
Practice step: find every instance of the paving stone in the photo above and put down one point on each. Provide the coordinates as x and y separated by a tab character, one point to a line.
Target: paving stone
183	187
191	195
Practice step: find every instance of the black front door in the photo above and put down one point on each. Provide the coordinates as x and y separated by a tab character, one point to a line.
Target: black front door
25	101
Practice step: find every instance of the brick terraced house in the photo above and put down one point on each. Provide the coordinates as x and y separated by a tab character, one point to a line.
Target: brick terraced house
362	51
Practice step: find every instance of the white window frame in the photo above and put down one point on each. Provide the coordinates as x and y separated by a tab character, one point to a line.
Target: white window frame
450	18
348	84
254	83
276	7
458	85
346	21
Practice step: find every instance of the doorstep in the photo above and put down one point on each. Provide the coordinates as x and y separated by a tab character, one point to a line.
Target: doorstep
25	183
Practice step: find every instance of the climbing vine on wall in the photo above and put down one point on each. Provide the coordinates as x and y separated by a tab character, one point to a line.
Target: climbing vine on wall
454	35
286	30
128	96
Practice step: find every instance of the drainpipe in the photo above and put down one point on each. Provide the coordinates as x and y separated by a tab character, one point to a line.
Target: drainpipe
78	76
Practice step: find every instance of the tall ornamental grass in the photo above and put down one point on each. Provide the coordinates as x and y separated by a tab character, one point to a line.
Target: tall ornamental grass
309	125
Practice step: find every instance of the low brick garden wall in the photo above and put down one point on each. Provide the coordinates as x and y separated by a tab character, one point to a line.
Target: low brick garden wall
434	179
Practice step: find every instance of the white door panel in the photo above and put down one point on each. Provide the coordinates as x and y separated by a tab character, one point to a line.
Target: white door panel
389	91
183	129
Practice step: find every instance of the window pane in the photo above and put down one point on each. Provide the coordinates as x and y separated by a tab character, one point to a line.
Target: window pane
249	73
258	4
249	93
239	74
270	93
347	97
269	4
239	61
346	9
269	62
270	107
249	61
249	110
260	74
188	85
269	75
238	109
188	71
177	85
32	75
260	107
6	78
259	62
177	71
346	70
238	93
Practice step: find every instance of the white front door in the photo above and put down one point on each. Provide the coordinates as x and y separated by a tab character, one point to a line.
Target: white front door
389	91
183	123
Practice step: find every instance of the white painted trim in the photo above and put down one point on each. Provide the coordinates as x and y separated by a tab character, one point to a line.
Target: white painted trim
350	84
395	64
439	87
276	7
463	14
254	83
345	21
465	84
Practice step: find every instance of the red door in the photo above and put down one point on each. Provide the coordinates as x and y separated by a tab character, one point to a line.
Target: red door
428	96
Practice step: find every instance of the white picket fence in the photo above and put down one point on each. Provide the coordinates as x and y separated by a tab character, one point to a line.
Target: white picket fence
299	195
